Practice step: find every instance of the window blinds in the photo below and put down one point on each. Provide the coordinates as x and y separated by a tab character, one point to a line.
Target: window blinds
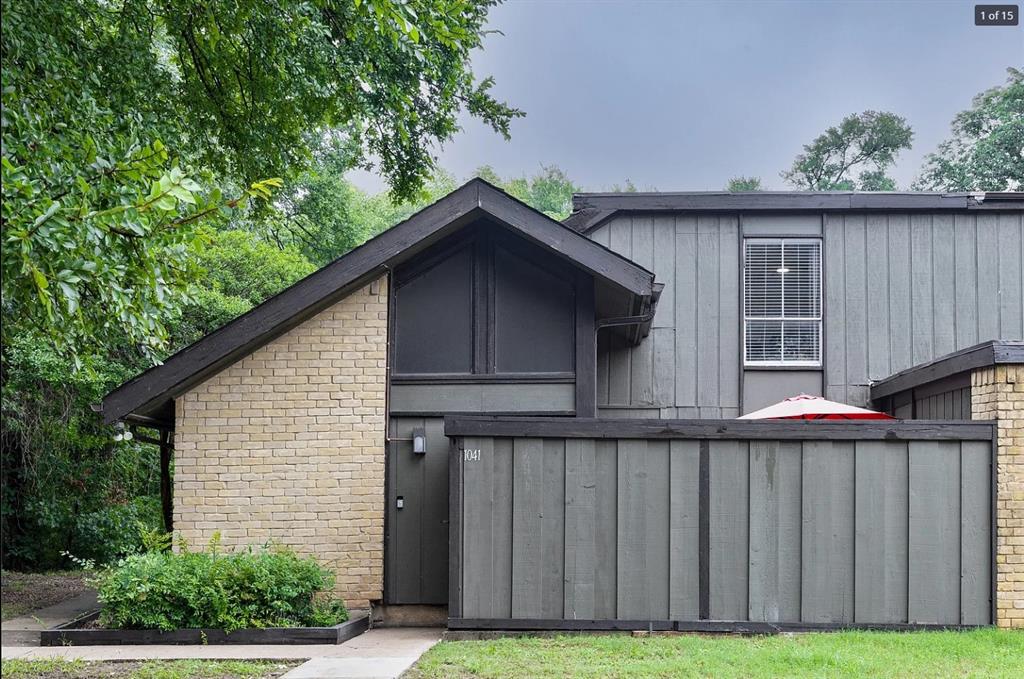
782	301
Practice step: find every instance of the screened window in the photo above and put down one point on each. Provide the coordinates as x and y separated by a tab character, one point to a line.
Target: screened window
782	301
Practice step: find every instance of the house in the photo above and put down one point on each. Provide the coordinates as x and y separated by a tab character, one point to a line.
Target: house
318	418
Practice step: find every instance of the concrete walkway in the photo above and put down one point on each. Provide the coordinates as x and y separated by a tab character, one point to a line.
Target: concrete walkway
24	630
379	653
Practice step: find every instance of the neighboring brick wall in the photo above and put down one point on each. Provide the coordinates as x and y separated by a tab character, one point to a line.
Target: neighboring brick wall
287	445
997	393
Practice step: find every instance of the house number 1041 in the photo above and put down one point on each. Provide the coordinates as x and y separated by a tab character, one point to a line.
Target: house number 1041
472	455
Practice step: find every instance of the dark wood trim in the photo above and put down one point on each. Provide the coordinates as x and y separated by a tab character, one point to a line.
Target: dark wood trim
273	635
586	348
487	308
844	430
590	210
539	624
455	448
704	531
511	414
706	626
166	492
977	356
993	462
474	200
495	378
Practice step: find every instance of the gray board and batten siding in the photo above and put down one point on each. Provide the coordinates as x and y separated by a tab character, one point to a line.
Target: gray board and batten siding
754	526
899	288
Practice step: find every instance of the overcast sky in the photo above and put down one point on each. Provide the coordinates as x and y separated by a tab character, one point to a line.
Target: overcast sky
685	95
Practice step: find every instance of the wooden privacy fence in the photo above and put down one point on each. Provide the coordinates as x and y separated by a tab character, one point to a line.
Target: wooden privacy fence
713	524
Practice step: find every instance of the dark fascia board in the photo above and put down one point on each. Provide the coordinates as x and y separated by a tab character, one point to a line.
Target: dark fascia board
611	428
474	200
592	209
977	356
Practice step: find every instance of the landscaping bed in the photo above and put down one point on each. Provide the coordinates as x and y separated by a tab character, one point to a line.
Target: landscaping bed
989	653
150	669
254	595
85	633
22	593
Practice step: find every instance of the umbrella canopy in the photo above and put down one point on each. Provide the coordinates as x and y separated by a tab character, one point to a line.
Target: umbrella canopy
807	407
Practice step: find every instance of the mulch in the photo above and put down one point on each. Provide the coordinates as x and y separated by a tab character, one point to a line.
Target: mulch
22	593
121	669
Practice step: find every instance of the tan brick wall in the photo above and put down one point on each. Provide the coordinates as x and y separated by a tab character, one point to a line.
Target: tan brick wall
997	393
287	445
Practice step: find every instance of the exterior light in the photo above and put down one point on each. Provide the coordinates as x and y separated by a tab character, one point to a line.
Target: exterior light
119	434
419	441
782	269
128	436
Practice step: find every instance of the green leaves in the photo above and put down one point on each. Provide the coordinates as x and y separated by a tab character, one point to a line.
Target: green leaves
268	587
984	153
868	141
126	125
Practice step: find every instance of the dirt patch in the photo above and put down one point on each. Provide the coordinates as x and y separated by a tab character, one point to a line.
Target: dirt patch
150	669
22	593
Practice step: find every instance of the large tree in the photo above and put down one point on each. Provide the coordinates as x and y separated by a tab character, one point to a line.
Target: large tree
739	184
125	124
853	155
986	151
550	190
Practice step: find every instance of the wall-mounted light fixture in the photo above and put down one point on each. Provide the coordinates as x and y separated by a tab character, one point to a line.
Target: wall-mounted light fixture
121	433
419	440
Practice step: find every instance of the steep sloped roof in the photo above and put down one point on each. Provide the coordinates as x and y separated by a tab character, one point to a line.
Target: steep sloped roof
153	391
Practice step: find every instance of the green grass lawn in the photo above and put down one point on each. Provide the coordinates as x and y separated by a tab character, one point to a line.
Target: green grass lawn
982	653
150	669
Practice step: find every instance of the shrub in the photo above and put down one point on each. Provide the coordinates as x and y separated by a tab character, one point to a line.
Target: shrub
266	587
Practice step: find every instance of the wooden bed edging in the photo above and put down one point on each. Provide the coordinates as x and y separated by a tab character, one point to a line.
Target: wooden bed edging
272	635
707	626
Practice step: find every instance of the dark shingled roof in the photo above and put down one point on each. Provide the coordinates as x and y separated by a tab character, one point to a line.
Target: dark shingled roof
152	392
592	209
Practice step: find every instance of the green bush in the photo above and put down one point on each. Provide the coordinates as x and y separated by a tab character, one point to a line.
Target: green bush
267	587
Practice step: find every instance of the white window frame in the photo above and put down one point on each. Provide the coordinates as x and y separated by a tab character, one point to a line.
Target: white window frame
783	363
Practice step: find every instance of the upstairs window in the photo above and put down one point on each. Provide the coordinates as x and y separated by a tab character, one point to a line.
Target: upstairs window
782	302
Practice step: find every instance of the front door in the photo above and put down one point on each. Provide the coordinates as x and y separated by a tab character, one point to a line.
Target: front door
416	560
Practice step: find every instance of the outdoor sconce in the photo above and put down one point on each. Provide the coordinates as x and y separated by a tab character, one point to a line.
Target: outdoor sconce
121	434
419	441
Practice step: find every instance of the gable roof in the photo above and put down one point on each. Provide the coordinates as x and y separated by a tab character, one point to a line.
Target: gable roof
589	210
154	389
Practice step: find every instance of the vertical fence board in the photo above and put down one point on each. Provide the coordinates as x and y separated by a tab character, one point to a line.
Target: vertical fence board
880	580
827	546
975	533
934	590
580	551
684	562
657	529
606	518
775	479
527	491
729	529
553	529
632	546
818	531
478	567
501	527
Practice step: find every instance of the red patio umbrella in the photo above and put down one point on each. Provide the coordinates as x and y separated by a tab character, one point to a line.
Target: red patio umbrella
807	407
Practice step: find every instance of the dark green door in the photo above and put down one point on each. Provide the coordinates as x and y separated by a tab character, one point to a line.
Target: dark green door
416	563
